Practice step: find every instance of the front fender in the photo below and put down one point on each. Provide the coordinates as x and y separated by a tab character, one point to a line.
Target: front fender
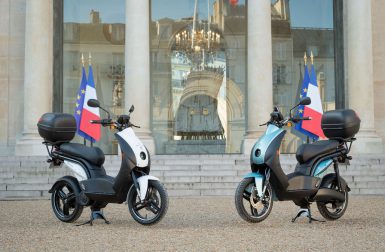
143	185
259	181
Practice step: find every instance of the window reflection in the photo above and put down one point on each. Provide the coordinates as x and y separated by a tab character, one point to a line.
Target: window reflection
96	28
198	75
300	26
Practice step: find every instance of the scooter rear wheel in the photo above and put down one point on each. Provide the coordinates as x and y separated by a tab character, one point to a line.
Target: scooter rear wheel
64	201
333	210
249	206
154	207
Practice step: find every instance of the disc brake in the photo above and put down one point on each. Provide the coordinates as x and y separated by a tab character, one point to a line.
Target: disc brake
254	195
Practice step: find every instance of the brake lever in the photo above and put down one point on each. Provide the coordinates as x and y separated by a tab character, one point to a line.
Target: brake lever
133	125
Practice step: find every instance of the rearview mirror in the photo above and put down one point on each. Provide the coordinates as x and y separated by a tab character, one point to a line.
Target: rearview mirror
305	101
131	109
93	103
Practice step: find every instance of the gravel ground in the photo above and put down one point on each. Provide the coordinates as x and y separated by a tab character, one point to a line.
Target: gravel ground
194	224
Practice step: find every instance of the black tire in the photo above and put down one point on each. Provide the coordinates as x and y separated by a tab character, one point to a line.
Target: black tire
64	200
156	203
333	210
243	194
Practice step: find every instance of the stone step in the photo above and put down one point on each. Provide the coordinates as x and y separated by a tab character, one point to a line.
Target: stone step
22	194
182	175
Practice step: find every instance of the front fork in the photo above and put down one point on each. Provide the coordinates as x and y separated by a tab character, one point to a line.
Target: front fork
261	181
141	184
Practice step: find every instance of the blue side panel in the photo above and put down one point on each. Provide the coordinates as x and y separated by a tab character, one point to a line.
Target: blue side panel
322	167
254	175
263	143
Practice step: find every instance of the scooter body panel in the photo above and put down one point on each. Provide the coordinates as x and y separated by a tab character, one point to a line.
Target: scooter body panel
78	170
259	154
133	148
320	170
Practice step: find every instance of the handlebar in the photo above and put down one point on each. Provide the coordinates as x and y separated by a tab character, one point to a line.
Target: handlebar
133	125
109	122
282	122
296	119
102	121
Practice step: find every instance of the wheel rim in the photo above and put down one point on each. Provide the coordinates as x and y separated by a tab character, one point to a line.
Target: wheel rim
333	207
253	205
64	200
150	208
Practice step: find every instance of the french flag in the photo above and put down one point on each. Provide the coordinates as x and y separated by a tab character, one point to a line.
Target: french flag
89	113
313	110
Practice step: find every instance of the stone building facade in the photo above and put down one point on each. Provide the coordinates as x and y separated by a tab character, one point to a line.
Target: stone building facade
256	72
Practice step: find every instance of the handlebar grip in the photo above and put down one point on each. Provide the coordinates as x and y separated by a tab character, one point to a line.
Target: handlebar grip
102	122
307	118
133	125
96	121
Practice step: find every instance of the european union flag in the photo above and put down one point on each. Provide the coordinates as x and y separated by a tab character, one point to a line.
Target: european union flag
79	104
301	108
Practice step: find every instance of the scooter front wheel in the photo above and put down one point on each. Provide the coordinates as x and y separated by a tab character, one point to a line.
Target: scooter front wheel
249	205
153	208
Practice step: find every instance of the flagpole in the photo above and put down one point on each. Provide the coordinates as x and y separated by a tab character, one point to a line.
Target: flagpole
89	63
305	62
311	57
83	63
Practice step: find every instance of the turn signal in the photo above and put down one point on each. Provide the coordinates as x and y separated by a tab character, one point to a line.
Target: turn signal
289	124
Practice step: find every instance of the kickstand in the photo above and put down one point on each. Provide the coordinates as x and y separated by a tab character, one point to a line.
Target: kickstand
95	214
305	212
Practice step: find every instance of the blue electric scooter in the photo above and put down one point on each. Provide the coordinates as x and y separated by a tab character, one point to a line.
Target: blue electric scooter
316	177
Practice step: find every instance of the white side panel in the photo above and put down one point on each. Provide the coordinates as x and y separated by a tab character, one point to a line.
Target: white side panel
143	185
136	145
78	170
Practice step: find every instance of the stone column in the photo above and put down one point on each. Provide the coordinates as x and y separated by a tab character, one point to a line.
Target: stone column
360	74
259	70
137	61
37	74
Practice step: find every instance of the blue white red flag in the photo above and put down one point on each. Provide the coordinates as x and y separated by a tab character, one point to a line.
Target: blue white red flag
79	105
90	113
301	108
313	110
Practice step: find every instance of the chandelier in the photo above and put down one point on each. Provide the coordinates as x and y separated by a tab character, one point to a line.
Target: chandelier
199	38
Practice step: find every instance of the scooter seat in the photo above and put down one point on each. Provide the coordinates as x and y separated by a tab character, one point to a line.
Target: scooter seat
307	152
92	154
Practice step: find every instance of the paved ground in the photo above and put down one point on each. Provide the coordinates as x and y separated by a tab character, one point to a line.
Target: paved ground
194	224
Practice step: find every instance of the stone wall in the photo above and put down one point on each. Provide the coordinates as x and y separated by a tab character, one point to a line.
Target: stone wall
378	22
12	43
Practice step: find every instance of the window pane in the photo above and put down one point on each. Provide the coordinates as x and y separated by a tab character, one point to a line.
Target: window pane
300	26
96	28
198	75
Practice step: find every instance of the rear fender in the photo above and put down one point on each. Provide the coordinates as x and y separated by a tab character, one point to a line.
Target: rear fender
70	180
259	181
330	177
143	185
